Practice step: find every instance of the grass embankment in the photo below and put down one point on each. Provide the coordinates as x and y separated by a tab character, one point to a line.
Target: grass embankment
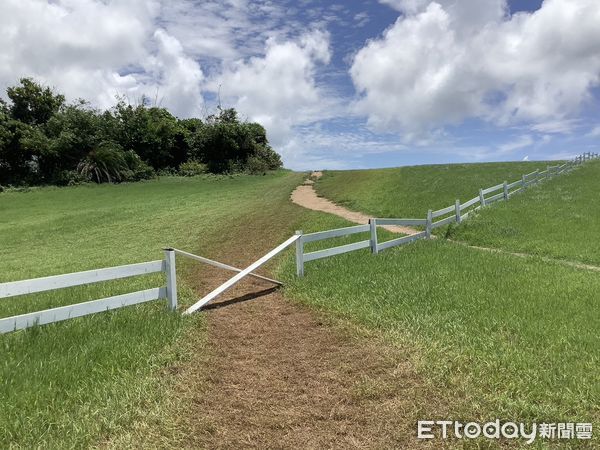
507	337
411	191
558	219
73	383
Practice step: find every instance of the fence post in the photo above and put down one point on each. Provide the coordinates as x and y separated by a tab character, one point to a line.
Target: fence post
524	183
457	211
373	227
481	198
505	190
429	222
299	254
171	278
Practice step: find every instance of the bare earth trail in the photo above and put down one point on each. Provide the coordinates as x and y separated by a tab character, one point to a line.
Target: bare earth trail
307	197
281	376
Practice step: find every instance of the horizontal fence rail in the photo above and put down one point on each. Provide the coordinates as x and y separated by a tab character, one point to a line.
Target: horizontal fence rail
37	285
223	266
340	232
401	241
80	309
402	222
302	257
336	250
469	203
79	278
443	212
493	189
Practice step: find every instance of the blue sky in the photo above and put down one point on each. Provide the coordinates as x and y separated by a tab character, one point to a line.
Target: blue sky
338	84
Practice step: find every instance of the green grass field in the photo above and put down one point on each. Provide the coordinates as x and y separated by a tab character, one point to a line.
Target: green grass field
410	191
73	383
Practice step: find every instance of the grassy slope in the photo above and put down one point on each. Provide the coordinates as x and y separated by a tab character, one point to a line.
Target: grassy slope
71	383
411	191
509	337
558	219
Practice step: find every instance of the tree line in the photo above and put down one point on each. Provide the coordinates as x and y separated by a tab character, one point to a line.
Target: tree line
45	140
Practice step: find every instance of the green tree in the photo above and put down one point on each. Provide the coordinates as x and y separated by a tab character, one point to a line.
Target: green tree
71	134
153	133
18	164
33	103
225	144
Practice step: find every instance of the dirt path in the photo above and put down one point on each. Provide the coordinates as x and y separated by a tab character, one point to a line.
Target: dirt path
307	197
282	377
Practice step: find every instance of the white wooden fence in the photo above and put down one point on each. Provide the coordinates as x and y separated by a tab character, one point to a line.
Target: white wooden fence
455	213
61	313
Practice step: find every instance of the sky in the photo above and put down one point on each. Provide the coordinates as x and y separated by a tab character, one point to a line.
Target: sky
337	84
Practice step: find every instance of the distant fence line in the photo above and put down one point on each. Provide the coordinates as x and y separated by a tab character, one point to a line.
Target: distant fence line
451	214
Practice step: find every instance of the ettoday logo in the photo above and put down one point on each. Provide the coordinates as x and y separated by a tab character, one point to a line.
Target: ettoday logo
444	429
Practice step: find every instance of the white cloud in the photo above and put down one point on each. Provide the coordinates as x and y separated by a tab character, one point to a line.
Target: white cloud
594	132
264	61
227	30
178	75
361	19
555	126
443	62
279	89
519	143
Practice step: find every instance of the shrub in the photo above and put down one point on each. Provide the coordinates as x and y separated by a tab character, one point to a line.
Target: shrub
167	172
71	178
43	140
192	168
107	163
138	169
256	165
269	156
